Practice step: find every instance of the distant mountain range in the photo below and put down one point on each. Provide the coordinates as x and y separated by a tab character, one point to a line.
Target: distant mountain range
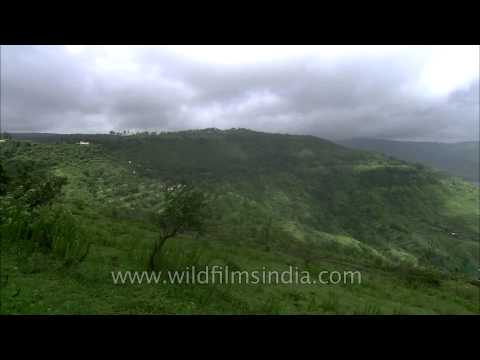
459	159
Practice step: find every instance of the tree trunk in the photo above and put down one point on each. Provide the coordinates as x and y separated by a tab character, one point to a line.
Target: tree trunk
156	250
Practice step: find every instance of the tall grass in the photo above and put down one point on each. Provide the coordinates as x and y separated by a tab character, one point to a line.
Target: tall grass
49	229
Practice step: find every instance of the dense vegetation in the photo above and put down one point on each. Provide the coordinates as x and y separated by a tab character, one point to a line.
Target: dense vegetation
458	159
73	213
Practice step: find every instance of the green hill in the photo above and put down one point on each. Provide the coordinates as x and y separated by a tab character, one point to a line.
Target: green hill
458	159
279	201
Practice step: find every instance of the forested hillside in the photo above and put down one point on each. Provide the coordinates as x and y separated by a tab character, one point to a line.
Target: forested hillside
71	213
457	159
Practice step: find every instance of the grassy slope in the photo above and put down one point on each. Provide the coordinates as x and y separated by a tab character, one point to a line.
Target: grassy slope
103	192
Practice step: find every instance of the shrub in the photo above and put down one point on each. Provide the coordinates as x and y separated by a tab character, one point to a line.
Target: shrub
62	235
48	229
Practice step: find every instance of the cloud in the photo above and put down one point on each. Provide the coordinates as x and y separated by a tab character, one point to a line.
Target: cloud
331	92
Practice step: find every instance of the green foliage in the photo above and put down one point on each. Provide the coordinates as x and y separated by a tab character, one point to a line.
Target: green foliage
274	200
184	208
331	304
56	229
45	193
3	180
46	229
458	159
29	217
419	277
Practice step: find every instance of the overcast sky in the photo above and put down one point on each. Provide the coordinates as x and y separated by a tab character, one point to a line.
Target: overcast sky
393	92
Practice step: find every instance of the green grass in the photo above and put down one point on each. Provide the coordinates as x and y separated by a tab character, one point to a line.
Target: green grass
352	212
88	288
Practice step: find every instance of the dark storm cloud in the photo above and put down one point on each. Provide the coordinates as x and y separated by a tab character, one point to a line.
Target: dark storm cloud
50	89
